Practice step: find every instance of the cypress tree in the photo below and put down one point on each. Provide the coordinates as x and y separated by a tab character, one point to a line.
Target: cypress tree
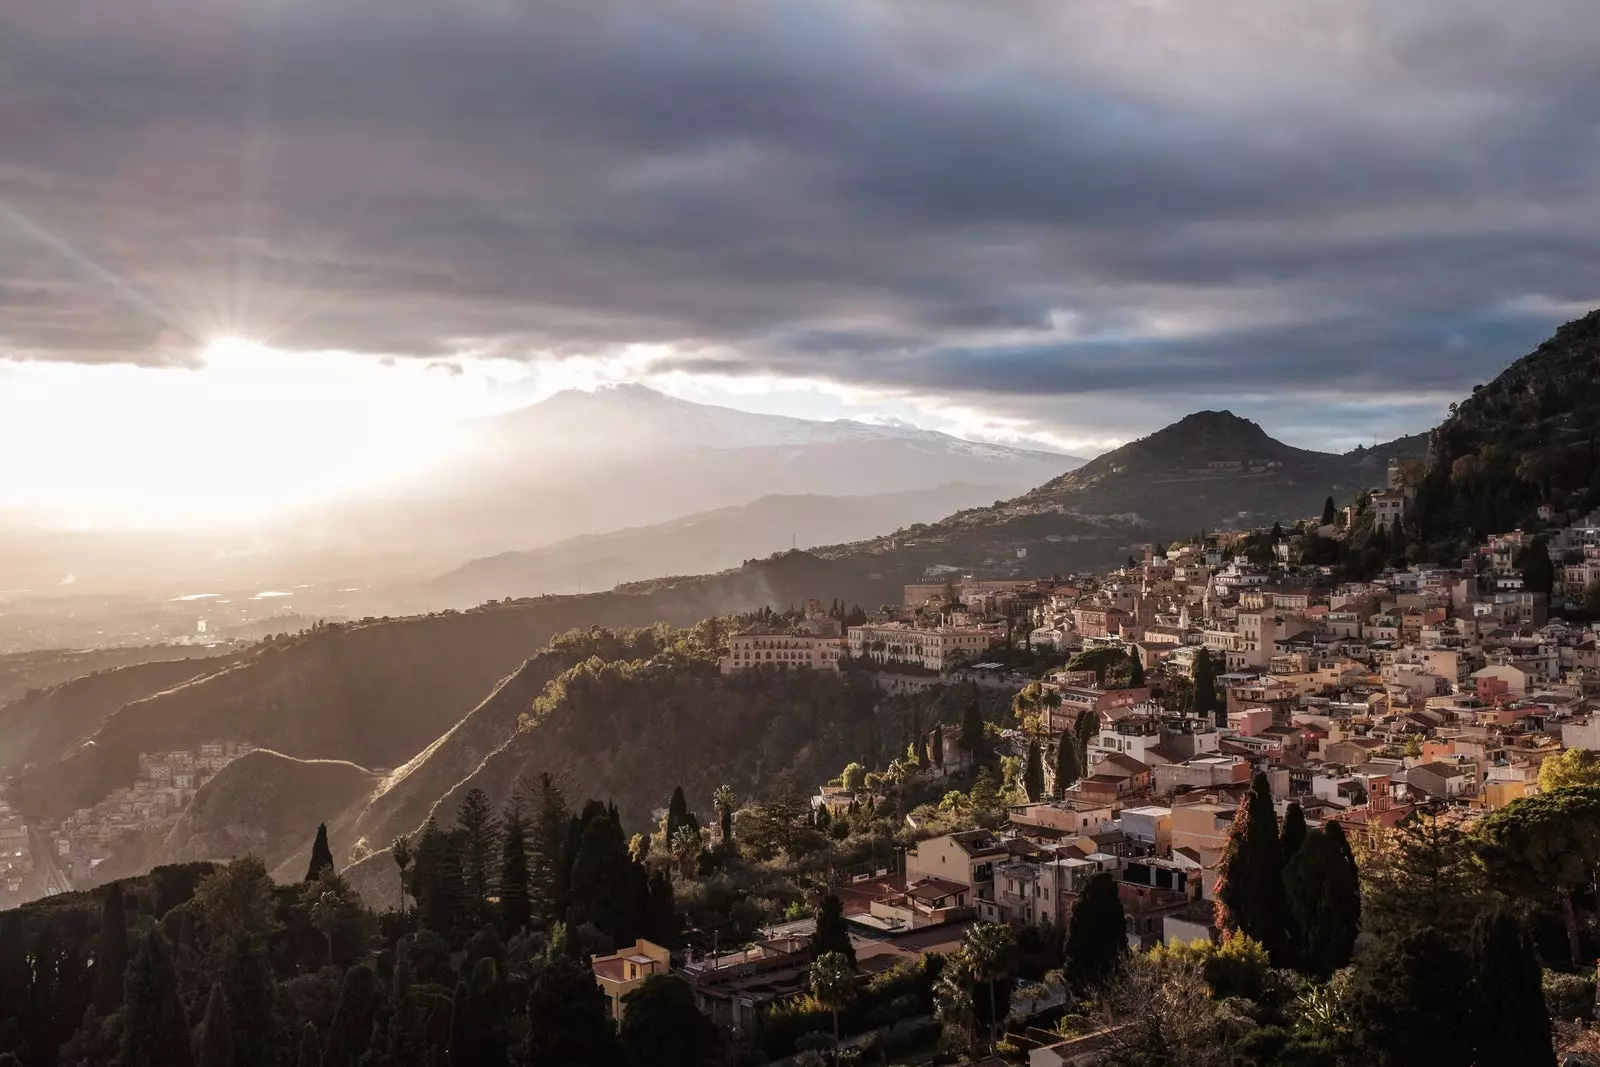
569	1019
1097	934
1293	834
350	1032
1324	897
516	910
1084	732
321	855
677	812
1033	772
1205	689
1511	1021
479	843
972	730
247	983
1066	764
833	933
938	745
154	1032
1250	897
215	1045
1135	668
310	1047
111	955
478	1019
1330	513
603	881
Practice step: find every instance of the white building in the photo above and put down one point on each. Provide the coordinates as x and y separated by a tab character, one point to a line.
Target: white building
781	649
935	649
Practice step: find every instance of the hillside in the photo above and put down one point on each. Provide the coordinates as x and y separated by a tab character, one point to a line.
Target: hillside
379	691
702	543
1528	437
24	674
262	804
45	724
1210	469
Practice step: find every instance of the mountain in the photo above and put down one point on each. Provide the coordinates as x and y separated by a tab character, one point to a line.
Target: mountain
1529	437
1210	469
703	543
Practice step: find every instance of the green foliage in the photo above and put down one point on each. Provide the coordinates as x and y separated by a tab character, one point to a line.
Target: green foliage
233	902
214	1047
154	1033
1407	1001
661	1027
350	1033
1546	846
480	842
1424	872
1205	688
1033	772
1250	896
111	956
478	1032
516	907
1067	770
1511	1020
247	982
437	882
1097	934
833	933
1324	896
1538	569
569	1023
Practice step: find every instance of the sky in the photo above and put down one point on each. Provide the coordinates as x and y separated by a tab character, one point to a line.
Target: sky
274	247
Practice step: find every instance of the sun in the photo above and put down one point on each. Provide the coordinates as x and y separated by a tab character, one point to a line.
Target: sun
239	356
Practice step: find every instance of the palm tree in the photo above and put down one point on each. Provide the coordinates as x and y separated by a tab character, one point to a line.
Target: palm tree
725	801
325	915
987	948
686	845
952	1005
833	984
401	851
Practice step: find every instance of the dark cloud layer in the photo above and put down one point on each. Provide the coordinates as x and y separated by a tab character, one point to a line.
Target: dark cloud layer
1087	215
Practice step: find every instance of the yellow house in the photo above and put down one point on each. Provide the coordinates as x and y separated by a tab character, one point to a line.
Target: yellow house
1497	794
622	972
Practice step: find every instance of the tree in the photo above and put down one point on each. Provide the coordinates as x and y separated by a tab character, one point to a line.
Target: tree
214	1048
154	1033
1084	732
321	855
1330	513
480	842
1250	877
1293	834
1510	1019
1546	845
726	802
232	902
1538	569
310	1047
1135	668
1205	689
936	746
400	850
548	861
662	1027
952	1006
1324	895
833	933
604	880
686	845
1066	764
1568	768
247	983
436	882
853	778
1421	873
111	954
350	1032
833	983
1097	934
478	1019
972	730
569	1023
988	949
516	908
678	813
1033	774
1406	1002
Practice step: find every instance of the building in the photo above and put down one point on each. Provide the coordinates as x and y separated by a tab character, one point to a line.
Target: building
937	649
772	648
622	972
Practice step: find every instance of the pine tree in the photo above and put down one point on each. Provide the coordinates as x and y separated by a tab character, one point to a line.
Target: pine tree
1097	934
833	933
1250	897
111	953
321	855
437	881
154	1033
1330	513
1066	764
478	1019
548	860
248	985
479	843
516	911
1511	1020
1205	689
215	1045
1324	897
350	1032
1033	772
1135	668
937	746
1424	872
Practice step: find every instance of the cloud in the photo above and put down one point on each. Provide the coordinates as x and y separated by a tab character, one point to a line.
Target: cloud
1078	220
